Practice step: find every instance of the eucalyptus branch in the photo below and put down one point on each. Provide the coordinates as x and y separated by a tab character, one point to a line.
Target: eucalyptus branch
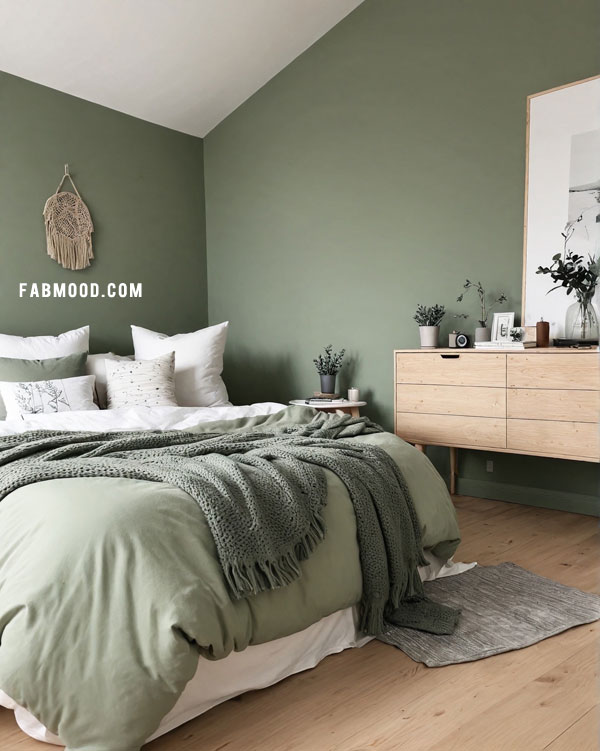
481	294
573	273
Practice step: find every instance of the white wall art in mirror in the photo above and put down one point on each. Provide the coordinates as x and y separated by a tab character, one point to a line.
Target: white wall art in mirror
562	194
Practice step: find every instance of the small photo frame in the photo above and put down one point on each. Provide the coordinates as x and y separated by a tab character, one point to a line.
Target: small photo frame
503	323
530	334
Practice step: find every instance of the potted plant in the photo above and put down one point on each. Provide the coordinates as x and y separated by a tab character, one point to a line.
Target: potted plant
576	275
429	323
328	366
482	333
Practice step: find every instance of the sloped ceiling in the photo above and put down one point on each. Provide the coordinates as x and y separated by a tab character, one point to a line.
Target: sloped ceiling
185	64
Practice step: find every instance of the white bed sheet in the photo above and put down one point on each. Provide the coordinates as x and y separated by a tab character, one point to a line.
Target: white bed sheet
135	418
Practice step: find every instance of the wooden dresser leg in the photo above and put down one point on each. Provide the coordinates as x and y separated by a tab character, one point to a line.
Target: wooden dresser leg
453	469
420	446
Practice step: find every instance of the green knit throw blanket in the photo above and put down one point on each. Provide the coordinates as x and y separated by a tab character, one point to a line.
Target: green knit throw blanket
262	493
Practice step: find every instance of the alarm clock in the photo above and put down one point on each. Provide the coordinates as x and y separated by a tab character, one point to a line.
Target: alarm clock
462	341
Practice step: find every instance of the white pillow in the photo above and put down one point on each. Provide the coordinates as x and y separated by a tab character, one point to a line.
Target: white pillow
141	383
96	365
42	347
198	362
37	397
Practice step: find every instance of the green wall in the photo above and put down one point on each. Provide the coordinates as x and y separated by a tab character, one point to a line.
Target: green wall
144	187
379	169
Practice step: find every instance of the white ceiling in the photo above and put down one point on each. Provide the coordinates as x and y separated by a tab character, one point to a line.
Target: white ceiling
185	64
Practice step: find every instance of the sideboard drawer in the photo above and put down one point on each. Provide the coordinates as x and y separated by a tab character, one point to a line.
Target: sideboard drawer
475	401
553	438
569	370
553	404
451	430
452	369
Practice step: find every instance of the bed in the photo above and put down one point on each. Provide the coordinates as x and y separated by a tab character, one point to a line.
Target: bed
63	670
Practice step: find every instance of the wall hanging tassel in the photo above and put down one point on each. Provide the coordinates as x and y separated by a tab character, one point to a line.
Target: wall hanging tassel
68	228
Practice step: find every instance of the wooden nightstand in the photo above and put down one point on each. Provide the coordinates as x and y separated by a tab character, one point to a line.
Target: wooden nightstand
351	408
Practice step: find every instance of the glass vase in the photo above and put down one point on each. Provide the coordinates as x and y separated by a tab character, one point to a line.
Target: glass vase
581	322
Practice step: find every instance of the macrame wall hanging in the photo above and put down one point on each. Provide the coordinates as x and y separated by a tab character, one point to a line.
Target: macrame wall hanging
68	228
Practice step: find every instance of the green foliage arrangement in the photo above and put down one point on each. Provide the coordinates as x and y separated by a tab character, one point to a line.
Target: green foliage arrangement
481	293
331	362
429	316
573	274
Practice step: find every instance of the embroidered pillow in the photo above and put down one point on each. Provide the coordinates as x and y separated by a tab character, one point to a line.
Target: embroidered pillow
13	369
141	383
46	397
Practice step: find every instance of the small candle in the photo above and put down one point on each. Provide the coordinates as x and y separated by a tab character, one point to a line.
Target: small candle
353	394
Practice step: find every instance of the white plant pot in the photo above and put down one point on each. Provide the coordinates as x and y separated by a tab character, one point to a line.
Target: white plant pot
483	334
430	336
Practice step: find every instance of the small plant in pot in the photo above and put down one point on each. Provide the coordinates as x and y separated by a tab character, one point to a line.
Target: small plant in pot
328	366
483	333
429	320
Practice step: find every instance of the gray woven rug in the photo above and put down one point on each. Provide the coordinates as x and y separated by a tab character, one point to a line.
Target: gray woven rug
502	608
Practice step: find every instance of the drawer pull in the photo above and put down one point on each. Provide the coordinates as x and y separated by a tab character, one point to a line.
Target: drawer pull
449	357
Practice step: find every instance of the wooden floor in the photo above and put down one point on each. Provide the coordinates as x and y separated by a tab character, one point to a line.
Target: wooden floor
377	699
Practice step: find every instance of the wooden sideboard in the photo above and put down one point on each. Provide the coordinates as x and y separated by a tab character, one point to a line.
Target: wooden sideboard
542	402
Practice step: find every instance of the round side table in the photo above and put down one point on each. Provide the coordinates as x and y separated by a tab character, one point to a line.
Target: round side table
350	408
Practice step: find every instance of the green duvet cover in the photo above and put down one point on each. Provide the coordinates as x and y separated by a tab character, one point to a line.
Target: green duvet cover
111	589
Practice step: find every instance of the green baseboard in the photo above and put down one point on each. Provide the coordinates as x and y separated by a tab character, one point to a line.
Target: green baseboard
559	500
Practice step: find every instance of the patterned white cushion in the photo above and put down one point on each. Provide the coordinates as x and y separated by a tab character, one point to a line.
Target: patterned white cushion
37	397
96	365
141	383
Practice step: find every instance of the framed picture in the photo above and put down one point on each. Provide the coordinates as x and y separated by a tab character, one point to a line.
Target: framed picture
562	192
503	323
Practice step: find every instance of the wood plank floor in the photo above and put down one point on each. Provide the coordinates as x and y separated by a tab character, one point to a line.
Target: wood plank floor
376	699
